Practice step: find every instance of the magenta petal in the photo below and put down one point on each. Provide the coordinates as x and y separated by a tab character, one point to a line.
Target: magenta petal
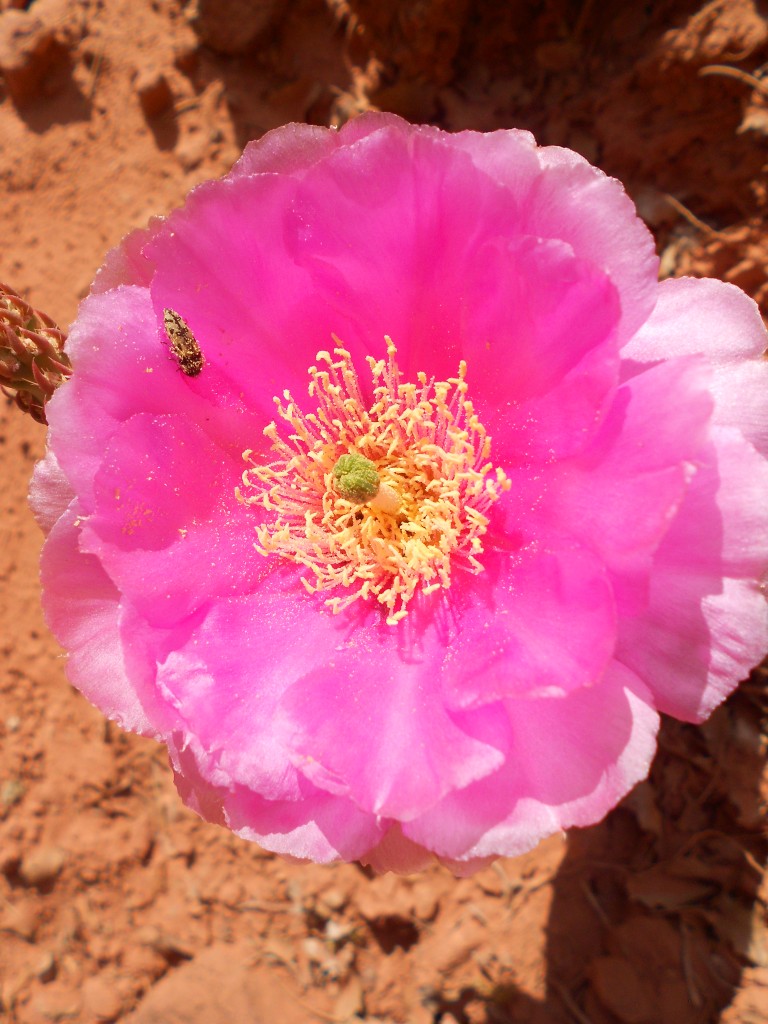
605	737
561	196
258	318
619	495
375	727
118	338
226	695
167	525
317	827
82	608
537	621
705	627
551	314
720	322
384	280
560	361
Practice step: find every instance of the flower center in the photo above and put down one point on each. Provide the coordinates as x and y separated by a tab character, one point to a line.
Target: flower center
379	503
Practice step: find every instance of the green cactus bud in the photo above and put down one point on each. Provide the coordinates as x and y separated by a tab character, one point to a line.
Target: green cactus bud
32	359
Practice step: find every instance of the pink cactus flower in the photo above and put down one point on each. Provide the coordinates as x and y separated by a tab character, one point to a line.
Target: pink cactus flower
397	497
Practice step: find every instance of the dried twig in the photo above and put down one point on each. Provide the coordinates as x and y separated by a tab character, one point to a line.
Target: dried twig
728	71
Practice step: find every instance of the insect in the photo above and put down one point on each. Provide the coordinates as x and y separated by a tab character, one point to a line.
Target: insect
183	343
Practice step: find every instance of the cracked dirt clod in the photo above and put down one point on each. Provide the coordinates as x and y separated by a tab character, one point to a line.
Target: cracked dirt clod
26	49
232	26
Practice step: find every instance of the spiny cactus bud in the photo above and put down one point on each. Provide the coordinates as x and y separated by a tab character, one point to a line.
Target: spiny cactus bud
32	359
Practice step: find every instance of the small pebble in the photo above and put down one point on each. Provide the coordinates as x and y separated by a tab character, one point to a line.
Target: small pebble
42	866
20	919
101	999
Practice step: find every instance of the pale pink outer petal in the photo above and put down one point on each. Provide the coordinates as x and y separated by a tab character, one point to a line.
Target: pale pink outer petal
717	320
401	855
50	492
126	263
706	624
604	738
618	497
318	827
289	151
82	608
395	852
561	195
293	148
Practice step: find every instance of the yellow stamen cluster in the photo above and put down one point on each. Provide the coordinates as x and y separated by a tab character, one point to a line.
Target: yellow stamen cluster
436	485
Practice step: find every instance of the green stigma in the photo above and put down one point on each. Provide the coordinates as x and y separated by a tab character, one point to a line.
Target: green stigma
356	478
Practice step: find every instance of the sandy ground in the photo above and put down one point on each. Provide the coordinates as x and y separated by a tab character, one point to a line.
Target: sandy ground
116	903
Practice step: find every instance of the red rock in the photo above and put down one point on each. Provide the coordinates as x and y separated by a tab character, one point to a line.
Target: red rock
26	48
153	91
101	1000
231	26
220	986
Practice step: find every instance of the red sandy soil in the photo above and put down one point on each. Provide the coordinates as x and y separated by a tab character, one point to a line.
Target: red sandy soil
116	903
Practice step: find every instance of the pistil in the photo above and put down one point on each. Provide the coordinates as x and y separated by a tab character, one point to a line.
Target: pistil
358	481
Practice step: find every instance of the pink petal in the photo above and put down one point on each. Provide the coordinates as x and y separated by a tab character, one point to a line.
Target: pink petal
535	621
619	495
126	263
562	196
541	376
289	150
302	686
705	627
294	148
167	525
395	852
50	493
604	737
372	725
118	339
82	608
258	317
226	695
719	321
386	280
318	827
